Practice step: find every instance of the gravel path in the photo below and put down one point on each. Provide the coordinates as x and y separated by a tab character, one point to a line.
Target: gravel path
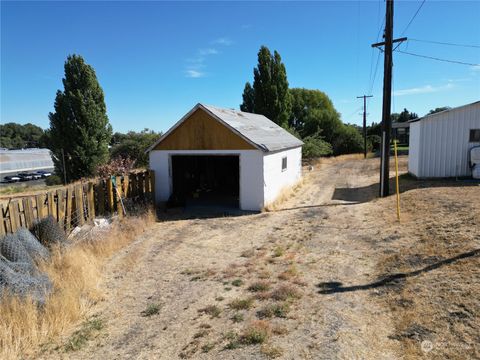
186	265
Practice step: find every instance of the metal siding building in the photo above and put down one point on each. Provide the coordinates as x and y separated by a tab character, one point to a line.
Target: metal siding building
215	150
12	161
440	143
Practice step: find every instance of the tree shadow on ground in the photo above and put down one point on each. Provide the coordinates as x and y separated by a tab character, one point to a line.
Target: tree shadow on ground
406	182
334	287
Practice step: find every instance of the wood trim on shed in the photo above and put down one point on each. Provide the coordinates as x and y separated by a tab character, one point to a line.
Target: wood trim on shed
201	131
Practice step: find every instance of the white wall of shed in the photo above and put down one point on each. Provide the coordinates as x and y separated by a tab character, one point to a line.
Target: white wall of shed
275	180
251	174
444	142
414	148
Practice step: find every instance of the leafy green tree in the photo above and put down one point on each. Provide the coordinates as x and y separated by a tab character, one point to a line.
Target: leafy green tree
133	145
374	129
404	116
315	146
270	88
313	113
17	136
438	109
79	124
348	140
248	99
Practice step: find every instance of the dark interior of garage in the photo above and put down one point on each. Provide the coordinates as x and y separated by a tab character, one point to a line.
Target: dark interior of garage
200	180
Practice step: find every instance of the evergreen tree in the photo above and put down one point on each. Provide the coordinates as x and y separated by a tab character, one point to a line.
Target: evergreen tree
404	116
248	98
270	88
79	124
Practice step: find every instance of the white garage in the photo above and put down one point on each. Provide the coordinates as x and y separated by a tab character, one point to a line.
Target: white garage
216	156
441	143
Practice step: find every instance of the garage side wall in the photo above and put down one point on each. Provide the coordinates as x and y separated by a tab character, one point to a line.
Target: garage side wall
251	174
276	179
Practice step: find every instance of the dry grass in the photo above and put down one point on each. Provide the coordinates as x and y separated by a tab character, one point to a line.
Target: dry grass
259	286
270	351
76	273
285	194
213	310
285	292
335	159
437	312
241	304
257	333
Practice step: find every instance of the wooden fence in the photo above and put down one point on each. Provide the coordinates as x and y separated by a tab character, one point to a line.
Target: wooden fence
79	203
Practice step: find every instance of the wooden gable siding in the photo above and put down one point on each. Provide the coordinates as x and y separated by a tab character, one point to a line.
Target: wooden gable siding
202	132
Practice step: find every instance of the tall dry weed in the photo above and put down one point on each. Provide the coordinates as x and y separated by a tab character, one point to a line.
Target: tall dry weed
285	194
76	274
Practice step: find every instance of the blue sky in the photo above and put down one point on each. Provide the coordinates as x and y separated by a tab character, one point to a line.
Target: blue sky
156	60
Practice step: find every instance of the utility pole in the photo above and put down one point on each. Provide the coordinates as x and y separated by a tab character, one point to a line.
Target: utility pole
387	99
364	123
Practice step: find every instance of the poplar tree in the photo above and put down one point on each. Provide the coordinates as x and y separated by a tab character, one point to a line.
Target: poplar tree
248	98
79	126
270	88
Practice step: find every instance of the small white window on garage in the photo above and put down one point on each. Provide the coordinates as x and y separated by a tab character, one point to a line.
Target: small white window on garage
475	135
284	163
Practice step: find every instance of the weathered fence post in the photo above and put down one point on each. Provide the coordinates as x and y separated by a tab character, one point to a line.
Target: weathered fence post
91	202
79	205
100	197
109	187
39	199
2	221
118	194
28	212
61	208
69	204
13	213
51	205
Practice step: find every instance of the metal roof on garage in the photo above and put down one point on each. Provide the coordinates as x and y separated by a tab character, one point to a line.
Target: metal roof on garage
258	130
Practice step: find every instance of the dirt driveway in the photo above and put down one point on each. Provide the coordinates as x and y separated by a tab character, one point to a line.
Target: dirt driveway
259	286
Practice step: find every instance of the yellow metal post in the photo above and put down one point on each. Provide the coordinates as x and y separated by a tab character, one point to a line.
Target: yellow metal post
396	179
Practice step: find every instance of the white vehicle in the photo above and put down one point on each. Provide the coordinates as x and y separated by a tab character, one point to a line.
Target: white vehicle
11	179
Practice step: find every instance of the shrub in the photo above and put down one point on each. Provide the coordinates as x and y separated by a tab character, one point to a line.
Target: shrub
257	333
238	317
116	166
274	310
53	180
271	352
237	282
348	140
285	292
152	309
212	310
315	146
241	304
259	286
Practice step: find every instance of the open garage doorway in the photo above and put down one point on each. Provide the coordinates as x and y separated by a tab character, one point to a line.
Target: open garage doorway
205	181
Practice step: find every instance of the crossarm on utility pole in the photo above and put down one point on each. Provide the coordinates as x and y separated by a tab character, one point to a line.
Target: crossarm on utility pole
364	123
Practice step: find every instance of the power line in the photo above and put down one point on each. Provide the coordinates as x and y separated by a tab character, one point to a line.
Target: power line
438	59
372	56
414	16
375	73
445	43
